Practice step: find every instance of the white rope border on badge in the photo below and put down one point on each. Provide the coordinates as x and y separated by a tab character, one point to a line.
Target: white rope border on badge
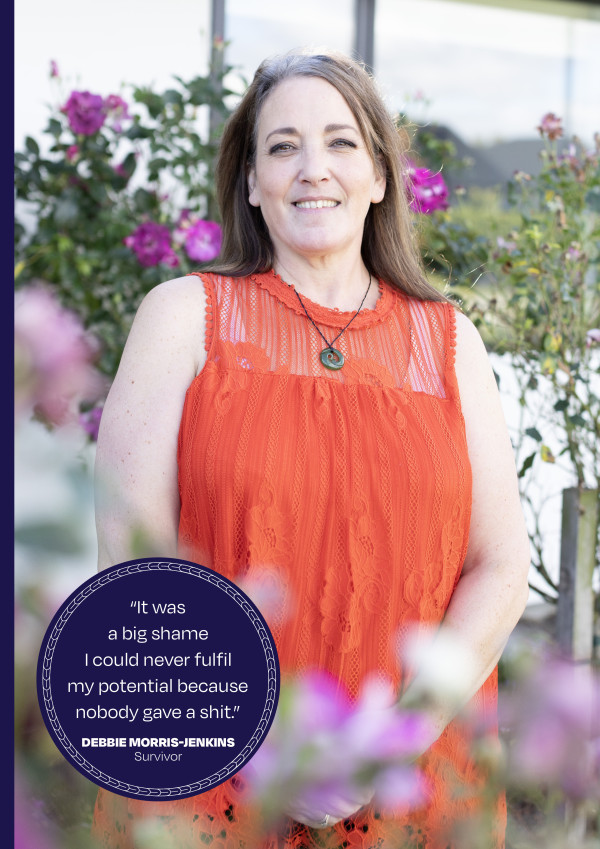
272	671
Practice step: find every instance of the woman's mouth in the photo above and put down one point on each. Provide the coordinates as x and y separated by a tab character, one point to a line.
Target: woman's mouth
316	204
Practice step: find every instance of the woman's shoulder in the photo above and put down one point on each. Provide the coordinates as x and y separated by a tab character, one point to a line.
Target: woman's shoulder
176	293
468	340
173	316
181	300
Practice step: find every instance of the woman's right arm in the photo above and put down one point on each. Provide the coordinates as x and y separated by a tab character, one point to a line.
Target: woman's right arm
137	498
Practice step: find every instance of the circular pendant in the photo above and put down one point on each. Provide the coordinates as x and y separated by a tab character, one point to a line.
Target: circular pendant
332	358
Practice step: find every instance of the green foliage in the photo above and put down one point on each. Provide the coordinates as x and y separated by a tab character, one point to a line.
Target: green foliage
546	299
524	266
87	193
539	304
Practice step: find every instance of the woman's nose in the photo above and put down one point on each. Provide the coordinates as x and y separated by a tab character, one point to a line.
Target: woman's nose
313	168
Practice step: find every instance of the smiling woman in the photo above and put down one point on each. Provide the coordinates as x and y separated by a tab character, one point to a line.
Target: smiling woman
314	180
372	482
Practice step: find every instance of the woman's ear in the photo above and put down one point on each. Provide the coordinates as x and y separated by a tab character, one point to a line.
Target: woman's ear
380	182
253	196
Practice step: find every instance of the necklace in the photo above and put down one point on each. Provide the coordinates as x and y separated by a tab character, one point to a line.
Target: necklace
330	356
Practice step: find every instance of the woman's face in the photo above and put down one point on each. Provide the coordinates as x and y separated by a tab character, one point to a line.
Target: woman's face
313	177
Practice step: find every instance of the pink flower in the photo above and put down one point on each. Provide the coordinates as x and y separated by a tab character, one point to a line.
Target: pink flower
54	72
72	152
203	240
53	357
554	726
592	337
85	111
151	243
117	111
508	246
427	191
400	788
323	746
551	126
90	422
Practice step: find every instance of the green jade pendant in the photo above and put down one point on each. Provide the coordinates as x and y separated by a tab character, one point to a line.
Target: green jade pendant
332	358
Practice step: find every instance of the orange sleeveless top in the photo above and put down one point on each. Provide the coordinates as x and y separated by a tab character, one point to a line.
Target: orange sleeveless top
352	490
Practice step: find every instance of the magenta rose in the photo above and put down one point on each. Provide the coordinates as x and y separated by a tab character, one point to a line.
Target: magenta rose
427	191
86	112
151	243
203	240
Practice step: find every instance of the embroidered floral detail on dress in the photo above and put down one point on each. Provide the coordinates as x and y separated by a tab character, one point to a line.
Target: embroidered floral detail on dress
222	386
242	355
366	566
266	529
367	373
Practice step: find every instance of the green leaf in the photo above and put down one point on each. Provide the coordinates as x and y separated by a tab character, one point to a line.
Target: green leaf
144	201
32	146
157	164
172	96
534	433
129	164
577	420
137	132
527	464
54	127
561	405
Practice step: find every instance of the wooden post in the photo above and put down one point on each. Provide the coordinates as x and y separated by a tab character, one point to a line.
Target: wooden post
575	614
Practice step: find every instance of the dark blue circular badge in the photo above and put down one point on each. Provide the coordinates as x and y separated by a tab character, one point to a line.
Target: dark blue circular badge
158	679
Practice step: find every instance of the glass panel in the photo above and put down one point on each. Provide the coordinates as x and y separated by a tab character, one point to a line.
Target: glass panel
260	28
488	73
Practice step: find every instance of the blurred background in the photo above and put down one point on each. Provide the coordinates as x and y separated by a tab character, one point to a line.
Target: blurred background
480	68
474	77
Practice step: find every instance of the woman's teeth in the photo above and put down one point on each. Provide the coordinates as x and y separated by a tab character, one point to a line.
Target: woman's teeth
315	204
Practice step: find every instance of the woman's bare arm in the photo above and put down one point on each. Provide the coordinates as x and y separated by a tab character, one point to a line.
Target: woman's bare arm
492	591
137	499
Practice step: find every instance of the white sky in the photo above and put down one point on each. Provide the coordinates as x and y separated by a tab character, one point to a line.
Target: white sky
488	73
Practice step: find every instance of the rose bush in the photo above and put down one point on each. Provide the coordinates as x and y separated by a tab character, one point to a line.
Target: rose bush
99	199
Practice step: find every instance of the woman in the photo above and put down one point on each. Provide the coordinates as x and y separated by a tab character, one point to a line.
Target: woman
314	409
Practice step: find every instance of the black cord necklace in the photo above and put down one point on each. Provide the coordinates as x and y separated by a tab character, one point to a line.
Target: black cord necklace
330	356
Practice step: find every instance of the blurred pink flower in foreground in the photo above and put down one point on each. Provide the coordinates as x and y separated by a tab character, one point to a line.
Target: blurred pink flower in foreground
86	112
90	422
427	191
552	717
323	746
28	833
151	243
53	358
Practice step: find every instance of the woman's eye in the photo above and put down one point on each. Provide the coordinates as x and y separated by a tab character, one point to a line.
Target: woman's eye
343	143
282	147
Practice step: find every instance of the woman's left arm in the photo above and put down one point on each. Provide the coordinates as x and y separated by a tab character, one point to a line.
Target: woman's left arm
492	591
